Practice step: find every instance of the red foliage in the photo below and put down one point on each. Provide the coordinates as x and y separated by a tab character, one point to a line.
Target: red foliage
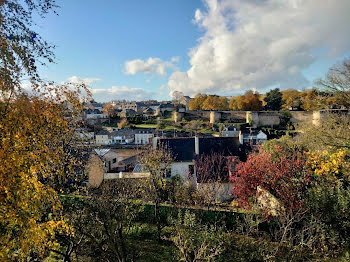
284	177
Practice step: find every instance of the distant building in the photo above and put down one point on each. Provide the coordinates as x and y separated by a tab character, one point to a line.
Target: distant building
143	136
252	137
102	138
162	109
230	131
128	113
94	114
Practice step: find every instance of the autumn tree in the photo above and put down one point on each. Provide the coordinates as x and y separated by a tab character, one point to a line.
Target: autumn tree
36	135
237	103
196	102
109	110
283	177
213	102
291	98
273	100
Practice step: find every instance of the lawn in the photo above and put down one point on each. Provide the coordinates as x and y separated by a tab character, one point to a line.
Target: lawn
146	126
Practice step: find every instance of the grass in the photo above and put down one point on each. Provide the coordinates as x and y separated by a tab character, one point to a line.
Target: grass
146	126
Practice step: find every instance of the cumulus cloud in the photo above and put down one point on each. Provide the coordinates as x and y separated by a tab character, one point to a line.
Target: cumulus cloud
262	43
78	80
120	93
153	65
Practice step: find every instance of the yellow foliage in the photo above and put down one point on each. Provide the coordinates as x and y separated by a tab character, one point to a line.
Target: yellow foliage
33	134
327	164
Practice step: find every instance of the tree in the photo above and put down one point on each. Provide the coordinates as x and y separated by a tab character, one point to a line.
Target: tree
36	134
197	101
109	110
177	96
213	102
284	177
291	98
193	241
237	103
273	100
157	161
338	82
123	123
249	102
21	48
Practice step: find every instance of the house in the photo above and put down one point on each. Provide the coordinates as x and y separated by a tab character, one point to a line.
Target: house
122	136
92	104
187	150
148	112
230	131
143	136
94	114
128	113
184	101
105	164
163	109
252	137
102	138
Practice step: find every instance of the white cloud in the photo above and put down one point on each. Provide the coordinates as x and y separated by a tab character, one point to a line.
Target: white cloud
260	43
78	80
120	93
151	65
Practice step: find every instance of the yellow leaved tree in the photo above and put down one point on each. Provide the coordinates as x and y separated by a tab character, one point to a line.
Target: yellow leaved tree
37	136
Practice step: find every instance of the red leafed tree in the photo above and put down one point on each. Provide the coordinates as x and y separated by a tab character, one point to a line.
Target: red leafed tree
284	177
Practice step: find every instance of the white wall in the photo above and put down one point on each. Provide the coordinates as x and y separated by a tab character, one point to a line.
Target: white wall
102	140
142	139
180	168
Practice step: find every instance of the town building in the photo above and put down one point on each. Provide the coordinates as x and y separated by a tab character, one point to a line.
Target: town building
252	137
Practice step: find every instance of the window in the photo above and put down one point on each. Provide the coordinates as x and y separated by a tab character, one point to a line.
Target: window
190	170
114	160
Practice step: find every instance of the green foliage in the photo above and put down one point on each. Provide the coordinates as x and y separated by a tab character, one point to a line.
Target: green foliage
273	100
194	241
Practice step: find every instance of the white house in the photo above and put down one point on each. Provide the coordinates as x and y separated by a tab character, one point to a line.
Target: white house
143	136
230	131
186	150
253	137
102	138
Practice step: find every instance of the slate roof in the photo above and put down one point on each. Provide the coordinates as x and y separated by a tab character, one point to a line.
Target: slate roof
182	149
227	146
103	133
231	128
250	132
166	106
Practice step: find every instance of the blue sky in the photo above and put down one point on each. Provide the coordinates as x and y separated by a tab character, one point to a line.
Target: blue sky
94	40
135	49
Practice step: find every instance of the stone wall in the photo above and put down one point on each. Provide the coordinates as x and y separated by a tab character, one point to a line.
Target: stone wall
256	118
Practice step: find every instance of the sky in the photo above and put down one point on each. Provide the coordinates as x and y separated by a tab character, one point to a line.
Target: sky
139	50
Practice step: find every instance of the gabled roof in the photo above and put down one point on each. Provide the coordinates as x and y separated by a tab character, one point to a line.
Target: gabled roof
102	152
231	128
148	110
251	132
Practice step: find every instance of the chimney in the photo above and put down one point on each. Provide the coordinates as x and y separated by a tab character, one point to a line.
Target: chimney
196	145
154	142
